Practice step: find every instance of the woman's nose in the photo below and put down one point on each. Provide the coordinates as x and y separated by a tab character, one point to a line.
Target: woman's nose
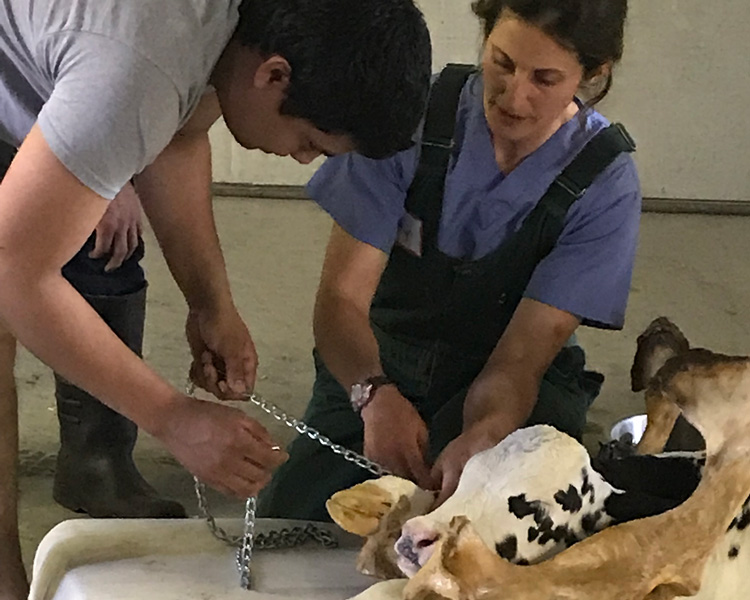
305	157
516	93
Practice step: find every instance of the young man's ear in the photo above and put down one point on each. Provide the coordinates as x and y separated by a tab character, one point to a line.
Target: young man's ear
273	72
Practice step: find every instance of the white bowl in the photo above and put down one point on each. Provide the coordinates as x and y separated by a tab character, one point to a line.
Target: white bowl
634	426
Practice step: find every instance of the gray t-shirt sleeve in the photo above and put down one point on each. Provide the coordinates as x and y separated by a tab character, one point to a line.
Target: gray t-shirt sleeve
111	111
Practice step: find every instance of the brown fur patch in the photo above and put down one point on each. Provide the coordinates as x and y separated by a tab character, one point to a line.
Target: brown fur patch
661	334
378	556
706	363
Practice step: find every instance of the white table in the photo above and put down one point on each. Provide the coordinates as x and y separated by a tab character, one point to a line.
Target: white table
143	559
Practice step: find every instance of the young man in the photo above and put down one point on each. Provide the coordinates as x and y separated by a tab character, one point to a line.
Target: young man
96	93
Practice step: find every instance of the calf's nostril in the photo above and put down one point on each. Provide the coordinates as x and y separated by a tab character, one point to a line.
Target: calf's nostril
417	541
404	547
426	541
420	537
412	549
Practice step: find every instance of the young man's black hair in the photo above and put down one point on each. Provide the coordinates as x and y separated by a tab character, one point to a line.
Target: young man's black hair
358	67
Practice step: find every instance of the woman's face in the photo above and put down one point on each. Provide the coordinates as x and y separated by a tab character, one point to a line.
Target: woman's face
529	79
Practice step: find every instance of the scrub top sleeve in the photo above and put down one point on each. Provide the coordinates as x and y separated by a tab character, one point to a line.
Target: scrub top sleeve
364	196
589	271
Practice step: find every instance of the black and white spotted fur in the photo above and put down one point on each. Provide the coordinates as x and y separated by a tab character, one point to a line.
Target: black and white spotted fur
538	492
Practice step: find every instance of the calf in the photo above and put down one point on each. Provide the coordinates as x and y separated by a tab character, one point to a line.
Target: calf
536	494
530	497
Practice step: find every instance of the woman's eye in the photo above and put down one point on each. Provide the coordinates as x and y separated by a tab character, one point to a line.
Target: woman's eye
546	81
504	65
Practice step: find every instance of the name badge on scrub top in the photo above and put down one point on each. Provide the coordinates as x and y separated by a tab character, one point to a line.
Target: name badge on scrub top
409	234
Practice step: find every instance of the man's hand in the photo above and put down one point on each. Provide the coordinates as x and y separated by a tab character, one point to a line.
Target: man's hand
396	436
484	434
221	446
175	191
120	228
224	358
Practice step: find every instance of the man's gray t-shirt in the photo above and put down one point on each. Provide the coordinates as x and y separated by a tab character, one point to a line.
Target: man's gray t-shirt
109	81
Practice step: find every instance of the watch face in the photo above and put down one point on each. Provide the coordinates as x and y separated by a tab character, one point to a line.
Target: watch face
356	393
360	394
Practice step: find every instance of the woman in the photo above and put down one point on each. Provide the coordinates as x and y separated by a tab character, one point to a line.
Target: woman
458	271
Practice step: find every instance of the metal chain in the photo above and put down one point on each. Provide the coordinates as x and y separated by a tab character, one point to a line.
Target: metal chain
245	551
249	540
284	538
304	429
296	536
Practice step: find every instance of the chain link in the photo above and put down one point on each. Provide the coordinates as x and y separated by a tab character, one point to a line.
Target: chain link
283	538
304	429
217	531
245	551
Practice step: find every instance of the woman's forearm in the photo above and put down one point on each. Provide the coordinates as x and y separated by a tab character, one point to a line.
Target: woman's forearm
345	340
506	395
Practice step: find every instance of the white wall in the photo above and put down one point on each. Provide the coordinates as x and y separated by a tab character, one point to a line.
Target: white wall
683	91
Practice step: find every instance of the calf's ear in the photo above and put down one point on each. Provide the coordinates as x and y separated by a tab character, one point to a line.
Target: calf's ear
359	509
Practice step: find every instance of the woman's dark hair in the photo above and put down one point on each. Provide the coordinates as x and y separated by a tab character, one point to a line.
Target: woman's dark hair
593	29
358	67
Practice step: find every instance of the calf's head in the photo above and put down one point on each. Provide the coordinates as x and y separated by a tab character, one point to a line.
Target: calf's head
376	510
528	498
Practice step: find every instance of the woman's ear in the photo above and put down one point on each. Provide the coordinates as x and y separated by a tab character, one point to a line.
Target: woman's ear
596	81
597	76
274	71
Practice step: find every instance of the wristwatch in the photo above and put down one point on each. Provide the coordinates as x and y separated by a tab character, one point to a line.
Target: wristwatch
363	392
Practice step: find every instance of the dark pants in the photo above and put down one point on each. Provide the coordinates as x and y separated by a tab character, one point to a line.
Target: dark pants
86	274
313	473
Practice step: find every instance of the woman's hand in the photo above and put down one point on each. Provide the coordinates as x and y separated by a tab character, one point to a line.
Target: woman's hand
396	436
480	436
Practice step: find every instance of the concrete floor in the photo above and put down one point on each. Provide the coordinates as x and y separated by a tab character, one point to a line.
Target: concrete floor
693	269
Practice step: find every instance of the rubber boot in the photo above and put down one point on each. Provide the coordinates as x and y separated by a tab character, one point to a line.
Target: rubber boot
95	471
